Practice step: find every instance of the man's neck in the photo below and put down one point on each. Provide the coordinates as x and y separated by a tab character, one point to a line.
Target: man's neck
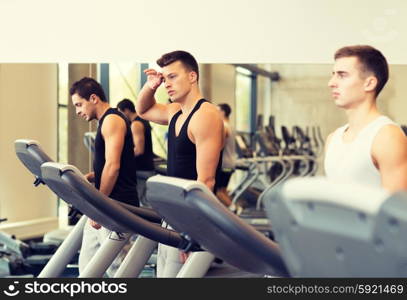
362	115
101	110
188	103
133	116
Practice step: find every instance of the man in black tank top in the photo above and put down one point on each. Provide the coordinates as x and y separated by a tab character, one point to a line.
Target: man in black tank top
195	133
143	146
114	163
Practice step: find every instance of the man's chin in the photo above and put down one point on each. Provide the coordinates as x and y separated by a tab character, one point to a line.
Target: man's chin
340	104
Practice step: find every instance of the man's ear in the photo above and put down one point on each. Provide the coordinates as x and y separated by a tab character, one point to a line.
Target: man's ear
193	77
94	98
370	83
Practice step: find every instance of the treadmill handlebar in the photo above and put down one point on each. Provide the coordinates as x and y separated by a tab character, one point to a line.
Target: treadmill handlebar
98	203
143	212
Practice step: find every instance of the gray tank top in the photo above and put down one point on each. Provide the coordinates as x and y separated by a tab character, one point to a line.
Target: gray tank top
229	151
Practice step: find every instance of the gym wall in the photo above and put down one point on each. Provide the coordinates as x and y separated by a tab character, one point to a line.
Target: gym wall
221	85
28	101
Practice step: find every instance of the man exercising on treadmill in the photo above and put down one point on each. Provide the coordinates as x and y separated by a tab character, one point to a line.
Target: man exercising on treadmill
114	162
371	149
195	133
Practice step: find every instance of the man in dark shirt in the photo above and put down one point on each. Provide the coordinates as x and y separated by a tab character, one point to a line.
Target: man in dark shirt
114	163
143	147
195	133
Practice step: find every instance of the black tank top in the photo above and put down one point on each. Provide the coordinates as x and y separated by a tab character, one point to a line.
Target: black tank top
181	160
144	161
125	189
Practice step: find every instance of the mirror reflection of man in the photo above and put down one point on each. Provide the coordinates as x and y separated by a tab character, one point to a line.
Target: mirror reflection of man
143	146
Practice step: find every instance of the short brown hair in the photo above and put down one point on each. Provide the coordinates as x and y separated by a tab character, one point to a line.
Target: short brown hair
371	59
225	108
184	57
86	87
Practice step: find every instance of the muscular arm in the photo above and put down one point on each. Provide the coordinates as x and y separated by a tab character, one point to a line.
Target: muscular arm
207	132
389	153
113	131
137	131
149	109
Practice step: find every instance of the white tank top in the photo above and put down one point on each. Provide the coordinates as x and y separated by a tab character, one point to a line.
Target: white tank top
352	162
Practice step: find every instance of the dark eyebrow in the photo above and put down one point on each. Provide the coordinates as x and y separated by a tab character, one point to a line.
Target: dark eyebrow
165	76
340	72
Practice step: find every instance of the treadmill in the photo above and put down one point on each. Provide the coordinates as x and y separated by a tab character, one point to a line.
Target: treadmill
330	229
26	150
194	211
323	229
70	184
33	157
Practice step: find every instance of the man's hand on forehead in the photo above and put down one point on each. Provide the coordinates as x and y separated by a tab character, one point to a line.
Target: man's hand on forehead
154	78
152	72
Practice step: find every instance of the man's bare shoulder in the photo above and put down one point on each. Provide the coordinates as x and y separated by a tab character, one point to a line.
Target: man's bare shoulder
389	146
390	135
206	119
137	125
208	110
113	120
113	125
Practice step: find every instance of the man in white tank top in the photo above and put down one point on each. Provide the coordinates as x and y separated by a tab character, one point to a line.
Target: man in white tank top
371	149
